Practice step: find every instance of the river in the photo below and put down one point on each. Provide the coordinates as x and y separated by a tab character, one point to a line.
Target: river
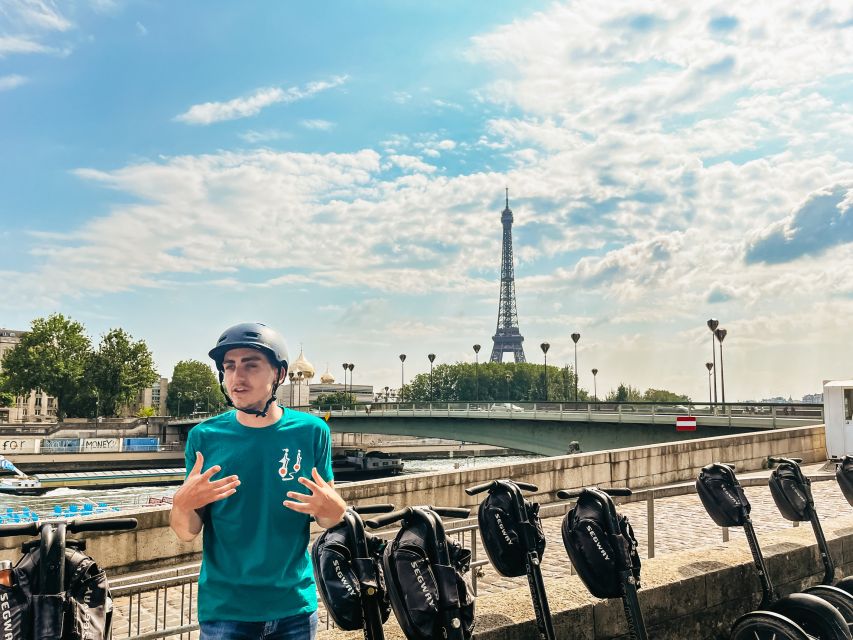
132	497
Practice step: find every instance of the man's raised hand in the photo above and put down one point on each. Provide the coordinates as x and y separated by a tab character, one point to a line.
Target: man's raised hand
198	490
323	503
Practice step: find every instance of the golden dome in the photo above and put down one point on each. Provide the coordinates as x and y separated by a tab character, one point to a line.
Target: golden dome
301	364
327	377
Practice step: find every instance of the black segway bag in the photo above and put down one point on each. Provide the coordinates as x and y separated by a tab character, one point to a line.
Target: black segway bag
722	495
340	577
844	476
594	549
792	492
502	532
83	612
422	590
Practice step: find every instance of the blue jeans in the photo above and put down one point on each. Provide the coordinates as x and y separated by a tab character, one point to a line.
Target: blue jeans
299	627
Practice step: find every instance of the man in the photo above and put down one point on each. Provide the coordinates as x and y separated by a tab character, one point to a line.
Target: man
256	579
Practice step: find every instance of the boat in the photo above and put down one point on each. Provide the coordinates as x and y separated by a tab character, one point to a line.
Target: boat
357	462
19	483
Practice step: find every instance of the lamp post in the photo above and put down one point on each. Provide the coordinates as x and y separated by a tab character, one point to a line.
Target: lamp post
351	366
345	366
713	323
594	385
575	337
180	395
291	375
721	335
477	371
545	346
402	357
386	395
508	376
431	358
709	366
299	375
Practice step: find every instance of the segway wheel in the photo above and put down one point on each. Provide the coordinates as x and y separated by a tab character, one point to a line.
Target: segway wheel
815	615
846	584
838	598
766	625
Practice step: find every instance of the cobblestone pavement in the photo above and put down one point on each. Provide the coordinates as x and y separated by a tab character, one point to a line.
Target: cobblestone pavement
680	523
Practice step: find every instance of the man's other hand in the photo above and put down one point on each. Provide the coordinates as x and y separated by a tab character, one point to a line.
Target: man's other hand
198	490
323	502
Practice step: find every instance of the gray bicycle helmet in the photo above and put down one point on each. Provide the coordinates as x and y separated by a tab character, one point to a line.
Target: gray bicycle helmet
251	335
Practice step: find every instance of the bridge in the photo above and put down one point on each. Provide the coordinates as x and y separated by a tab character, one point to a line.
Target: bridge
552	428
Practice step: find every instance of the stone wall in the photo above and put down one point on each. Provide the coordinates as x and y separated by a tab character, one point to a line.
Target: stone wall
693	594
153	544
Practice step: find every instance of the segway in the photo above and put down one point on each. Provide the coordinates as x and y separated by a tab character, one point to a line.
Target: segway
844	477
792	493
56	591
425	574
798	616
348	570
512	535
602	547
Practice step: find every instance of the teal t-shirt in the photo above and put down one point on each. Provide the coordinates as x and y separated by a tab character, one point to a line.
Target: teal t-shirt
255	561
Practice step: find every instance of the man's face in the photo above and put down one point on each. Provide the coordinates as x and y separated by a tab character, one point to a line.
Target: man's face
249	377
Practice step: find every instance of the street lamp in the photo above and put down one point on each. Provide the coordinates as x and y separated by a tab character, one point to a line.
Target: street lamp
477	371
545	346
291	375
575	337
721	335
594	385
180	395
299	375
431	358
508	376
386	395
713	323
709	366
350	366
402	357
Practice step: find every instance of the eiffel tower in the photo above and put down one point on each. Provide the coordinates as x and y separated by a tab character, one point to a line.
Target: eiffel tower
507	338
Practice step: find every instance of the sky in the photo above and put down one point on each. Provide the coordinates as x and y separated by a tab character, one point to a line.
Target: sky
337	171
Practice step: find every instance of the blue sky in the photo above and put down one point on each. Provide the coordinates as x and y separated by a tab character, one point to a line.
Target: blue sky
337	170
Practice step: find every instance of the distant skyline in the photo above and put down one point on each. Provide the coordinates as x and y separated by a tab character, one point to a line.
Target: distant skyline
338	172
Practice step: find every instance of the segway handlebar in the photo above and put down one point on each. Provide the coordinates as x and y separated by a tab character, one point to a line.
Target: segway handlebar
72	526
776	460
569	494
373	508
107	524
390	518
525	486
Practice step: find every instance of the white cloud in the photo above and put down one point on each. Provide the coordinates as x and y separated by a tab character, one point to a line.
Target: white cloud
211	112
411	163
268	135
401	97
317	124
141	29
11	81
34	14
12	45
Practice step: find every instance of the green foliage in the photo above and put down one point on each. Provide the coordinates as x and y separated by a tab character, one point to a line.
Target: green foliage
662	395
146	412
51	356
119	370
194	387
627	393
336	399
493	381
7	398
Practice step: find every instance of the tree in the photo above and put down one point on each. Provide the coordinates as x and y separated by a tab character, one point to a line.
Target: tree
51	356
662	395
336	399
194	386
7	398
119	370
625	393
459	383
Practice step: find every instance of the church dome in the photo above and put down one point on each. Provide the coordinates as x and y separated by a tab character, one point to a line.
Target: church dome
301	364
327	377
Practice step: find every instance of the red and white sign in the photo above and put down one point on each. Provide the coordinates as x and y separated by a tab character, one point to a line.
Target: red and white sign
685	423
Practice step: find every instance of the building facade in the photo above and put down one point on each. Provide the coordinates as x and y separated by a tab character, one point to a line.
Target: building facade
35	407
